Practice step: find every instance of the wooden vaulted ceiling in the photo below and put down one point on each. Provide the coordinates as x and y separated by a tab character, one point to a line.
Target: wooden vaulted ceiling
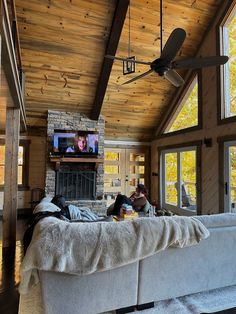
63	44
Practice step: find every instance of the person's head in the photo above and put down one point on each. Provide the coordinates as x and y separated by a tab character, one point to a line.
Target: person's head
59	201
141	189
81	143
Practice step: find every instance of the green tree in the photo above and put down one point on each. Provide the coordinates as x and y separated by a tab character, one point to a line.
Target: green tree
188	115
187	172
232	65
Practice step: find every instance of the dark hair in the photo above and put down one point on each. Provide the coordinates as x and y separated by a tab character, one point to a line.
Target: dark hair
59	201
78	138
142	189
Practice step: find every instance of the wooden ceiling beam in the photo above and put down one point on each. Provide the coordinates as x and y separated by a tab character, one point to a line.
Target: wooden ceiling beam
116	29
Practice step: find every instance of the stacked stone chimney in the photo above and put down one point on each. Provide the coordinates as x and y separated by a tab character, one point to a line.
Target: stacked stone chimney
71	121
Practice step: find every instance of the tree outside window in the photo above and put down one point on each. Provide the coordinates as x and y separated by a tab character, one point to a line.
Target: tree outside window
179	179
186	115
232	66
2	163
228	47
23	153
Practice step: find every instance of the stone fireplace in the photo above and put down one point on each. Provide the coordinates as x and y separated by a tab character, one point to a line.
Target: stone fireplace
76	182
82	183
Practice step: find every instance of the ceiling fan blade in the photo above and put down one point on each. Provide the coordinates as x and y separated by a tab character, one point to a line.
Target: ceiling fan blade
127	59
173	77
195	63
138	77
173	44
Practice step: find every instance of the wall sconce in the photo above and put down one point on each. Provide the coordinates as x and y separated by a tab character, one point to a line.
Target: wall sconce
154	174
208	142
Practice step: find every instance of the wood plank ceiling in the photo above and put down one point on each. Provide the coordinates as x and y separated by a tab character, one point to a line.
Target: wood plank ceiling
63	45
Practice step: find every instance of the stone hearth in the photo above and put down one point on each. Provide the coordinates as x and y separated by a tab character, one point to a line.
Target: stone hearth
75	121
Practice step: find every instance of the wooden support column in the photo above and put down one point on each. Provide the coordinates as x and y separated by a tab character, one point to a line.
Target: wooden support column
11	176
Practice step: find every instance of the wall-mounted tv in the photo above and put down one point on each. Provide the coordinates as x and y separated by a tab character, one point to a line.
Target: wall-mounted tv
75	143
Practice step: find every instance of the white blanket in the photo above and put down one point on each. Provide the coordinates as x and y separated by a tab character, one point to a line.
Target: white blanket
84	248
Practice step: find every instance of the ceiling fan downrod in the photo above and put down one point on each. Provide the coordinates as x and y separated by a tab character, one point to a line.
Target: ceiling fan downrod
161	24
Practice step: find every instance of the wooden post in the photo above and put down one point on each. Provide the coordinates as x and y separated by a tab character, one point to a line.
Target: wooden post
11	176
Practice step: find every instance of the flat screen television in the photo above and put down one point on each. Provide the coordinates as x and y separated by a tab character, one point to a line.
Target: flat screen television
75	143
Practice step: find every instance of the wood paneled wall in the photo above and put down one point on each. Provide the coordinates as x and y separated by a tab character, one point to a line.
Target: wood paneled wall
36	171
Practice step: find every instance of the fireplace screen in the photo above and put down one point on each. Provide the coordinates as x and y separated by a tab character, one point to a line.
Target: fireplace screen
76	185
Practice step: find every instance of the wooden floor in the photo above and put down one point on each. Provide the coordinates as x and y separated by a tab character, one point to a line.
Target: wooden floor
10	260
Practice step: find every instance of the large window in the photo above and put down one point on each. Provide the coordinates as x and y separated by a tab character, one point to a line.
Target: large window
178	180
228	71
23	157
230	176
186	115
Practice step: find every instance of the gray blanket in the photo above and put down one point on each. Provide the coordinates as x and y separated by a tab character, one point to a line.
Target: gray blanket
84	248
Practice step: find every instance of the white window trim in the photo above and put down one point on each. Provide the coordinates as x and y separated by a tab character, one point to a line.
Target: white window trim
227	197
177	209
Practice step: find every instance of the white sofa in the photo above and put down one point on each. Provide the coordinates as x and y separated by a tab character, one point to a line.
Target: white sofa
177	272
95	293
170	273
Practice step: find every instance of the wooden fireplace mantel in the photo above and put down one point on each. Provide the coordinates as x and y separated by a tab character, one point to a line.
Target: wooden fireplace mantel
58	160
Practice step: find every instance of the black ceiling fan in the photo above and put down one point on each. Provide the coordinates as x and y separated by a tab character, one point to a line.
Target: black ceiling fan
166	65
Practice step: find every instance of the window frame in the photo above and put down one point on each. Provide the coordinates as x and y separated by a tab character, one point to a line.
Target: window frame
25	168
179	103
180	148
227	192
228	14
125	163
222	140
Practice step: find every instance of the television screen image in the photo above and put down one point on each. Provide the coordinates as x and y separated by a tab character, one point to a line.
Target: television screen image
75	143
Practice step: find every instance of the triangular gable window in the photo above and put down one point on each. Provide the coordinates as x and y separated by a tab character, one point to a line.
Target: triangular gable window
186	116
228	71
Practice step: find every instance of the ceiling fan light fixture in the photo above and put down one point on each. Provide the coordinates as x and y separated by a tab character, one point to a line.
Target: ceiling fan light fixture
162	71
166	64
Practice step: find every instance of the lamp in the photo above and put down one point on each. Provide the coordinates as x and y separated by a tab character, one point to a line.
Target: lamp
129	67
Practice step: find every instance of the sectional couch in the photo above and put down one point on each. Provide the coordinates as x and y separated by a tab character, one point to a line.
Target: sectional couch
170	273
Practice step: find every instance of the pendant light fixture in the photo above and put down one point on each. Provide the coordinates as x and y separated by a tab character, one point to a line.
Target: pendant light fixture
129	67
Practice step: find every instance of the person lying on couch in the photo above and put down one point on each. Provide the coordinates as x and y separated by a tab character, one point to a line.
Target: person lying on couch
73	212
138	200
56	208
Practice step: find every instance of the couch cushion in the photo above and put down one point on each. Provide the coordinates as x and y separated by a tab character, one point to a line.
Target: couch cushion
218	220
46	206
176	272
95	293
46	199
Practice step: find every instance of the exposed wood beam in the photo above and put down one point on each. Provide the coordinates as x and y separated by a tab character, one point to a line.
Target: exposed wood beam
17	38
10	178
116	28
9	63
